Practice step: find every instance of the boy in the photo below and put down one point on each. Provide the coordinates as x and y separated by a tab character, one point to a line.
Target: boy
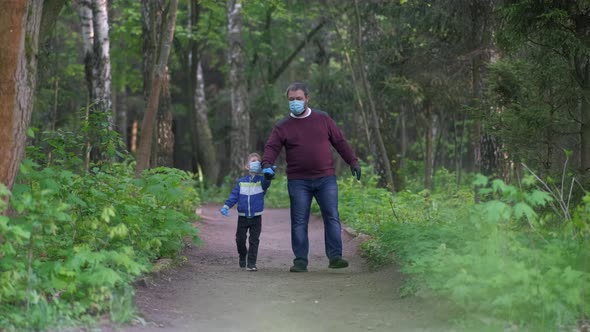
249	194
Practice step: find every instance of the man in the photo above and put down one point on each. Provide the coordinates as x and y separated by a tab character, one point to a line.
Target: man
307	135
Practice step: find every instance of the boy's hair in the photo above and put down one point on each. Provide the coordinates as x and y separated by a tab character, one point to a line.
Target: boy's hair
254	154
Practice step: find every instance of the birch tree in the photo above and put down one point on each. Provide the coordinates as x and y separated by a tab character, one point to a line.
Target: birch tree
240	120
19	37
95	37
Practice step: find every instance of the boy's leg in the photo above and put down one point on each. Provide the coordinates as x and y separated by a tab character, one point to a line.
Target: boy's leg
255	226
241	230
300	195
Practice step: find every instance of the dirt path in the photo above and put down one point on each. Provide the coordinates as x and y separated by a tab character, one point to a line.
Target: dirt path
211	293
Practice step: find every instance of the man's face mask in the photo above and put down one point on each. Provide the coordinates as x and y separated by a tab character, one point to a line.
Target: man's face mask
255	167
296	106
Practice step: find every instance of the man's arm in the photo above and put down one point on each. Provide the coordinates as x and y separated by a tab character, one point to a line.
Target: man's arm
272	149
340	143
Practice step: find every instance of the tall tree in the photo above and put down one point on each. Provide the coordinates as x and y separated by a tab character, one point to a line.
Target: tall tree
95	36
561	29
206	148
383	164
19	36
240	120
158	75
154	18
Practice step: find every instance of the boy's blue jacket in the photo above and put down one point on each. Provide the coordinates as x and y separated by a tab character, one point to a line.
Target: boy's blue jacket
249	194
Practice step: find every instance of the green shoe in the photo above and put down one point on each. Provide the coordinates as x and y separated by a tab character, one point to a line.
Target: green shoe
338	263
298	268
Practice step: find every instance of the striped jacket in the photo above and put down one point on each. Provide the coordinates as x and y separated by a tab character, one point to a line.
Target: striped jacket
249	194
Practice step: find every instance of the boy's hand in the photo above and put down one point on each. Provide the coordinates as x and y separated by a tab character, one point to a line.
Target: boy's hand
224	210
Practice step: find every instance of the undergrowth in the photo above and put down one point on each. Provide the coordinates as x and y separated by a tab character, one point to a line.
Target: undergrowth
72	241
509	261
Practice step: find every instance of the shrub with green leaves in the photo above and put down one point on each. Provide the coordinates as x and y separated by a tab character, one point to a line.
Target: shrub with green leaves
76	242
508	260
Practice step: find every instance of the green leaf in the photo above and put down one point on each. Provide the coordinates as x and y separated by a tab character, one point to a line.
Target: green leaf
521	210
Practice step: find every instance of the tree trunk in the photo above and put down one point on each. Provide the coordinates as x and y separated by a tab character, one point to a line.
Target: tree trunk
404	137
207	154
240	122
164	134
428	149
383	164
19	39
87	28
153	19
159	72
102	61
121	116
585	134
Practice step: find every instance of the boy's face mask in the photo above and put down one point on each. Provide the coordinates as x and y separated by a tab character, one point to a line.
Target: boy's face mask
255	167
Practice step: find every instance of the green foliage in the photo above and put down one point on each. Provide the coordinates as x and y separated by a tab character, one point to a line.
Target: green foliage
76	242
497	260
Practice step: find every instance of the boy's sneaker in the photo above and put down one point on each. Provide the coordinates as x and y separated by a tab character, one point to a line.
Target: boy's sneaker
338	263
252	268
242	262
298	268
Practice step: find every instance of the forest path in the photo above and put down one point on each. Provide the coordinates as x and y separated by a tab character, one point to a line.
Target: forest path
211	293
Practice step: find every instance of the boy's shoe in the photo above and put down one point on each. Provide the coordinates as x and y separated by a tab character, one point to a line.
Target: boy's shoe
298	268
242	262
252	268
338	263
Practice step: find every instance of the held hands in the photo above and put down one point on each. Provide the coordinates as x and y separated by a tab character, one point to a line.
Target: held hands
268	171
356	170
224	211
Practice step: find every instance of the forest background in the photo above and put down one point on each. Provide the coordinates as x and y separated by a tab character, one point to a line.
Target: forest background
471	118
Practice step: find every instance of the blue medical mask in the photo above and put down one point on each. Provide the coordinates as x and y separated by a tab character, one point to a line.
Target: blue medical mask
255	167
296	106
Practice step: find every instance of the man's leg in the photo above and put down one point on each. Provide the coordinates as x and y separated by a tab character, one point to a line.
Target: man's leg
255	225
326	194
300	196
241	230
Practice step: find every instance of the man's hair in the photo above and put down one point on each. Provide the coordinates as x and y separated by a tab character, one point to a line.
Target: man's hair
297	86
254	154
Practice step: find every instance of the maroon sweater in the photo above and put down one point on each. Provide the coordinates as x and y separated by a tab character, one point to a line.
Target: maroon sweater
307	143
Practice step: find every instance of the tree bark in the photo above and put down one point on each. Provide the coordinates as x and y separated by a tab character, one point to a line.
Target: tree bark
102	59
383	164
159	72
87	29
165	135
240	122
428	149
121	116
19	39
206	148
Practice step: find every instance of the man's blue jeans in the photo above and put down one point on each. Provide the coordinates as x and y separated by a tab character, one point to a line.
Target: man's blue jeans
325	191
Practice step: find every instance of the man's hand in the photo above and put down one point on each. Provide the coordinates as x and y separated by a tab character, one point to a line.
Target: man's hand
224	210
356	170
268	171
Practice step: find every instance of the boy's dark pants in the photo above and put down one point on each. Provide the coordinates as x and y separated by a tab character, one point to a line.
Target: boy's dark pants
253	224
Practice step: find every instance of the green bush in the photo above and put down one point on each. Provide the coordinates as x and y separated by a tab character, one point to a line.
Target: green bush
508	260
76	242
